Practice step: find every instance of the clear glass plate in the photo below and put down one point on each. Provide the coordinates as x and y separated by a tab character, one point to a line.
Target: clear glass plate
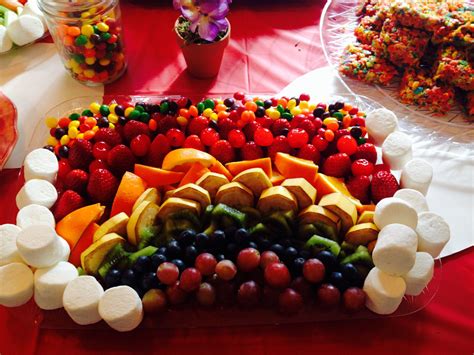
337	24
191	315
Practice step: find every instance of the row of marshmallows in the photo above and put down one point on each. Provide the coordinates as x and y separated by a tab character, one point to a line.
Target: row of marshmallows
33	259
410	236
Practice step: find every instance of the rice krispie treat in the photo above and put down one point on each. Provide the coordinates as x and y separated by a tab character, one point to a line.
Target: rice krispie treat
454	67
368	29
420	89
458	29
359	62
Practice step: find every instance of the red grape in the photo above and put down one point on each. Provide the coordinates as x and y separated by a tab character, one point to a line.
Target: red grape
206	264
249	294
328	295
354	299
302	286
248	259
190	279
226	270
206	294
277	275
313	270
175	294
290	301
167	273
267	258
154	301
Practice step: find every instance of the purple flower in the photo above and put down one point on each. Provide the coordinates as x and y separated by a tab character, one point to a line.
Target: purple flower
207	17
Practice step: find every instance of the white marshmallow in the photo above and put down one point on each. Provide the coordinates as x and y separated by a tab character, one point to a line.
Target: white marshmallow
380	123
36	191
31	8
41	164
50	284
25	29
384	292
414	198
65	249
8	250
433	233
16	284
420	274
417	174
5	42
40	246
395	250
81	300
121	308
395	210
33	215
396	150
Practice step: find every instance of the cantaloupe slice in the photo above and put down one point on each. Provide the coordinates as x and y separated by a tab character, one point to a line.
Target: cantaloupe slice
277	178
181	159
130	188
194	173
326	185
86	239
157	177
218	168
293	167
239	166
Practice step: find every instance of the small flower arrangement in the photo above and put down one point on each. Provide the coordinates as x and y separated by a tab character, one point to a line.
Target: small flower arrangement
202	21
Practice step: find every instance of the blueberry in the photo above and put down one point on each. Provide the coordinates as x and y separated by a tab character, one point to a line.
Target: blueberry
174	250
252	245
338	280
356	132
328	259
148	281
190	254
263	244
122	120
231	251
180	264
219	257
162	250
63	151
157	260
186	237
143	264
285	243
277	249
290	254
229	231
229	102
218	239
241	236
119	110
102	122
352	275
202	240
112	278
305	254
297	266
338	105
129	278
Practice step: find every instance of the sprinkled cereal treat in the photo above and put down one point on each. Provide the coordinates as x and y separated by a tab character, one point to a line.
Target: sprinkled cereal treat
401	45
457	30
418	88
424	14
368	29
359	62
372	7
454	67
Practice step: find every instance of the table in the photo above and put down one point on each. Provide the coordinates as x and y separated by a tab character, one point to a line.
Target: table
272	44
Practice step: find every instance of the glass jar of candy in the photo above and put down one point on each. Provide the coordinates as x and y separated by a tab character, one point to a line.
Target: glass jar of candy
89	38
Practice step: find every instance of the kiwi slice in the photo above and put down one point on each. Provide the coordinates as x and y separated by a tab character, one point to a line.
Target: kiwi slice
278	224
259	229
113	258
146	236
317	242
327	231
348	247
253	215
147	251
306	231
361	256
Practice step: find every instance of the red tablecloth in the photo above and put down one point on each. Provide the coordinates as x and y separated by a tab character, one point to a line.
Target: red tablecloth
272	44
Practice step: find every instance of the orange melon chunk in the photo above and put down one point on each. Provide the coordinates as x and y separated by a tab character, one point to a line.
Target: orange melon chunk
157	177
194	173
293	167
181	159
328	184
218	168
130	188
239	166
72	226
277	178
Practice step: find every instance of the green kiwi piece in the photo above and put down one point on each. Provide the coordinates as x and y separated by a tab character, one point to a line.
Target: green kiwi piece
318	242
113	258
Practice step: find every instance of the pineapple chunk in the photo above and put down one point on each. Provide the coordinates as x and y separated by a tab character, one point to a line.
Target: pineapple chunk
176	204
255	179
236	195
195	193
277	198
212	182
304	192
339	204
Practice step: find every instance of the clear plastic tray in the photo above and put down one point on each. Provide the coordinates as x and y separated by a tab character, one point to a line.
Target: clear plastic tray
451	132
191	315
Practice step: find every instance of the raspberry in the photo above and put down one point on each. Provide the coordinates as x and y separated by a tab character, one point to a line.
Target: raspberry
100	150
308	126
337	165
280	127
165	123
297	137
197	125
222	151
251	151
193	141
366	151
76	180
133	128
236	138
263	137
320	143
280	144
109	136
347	144
384	184
358	186
309	152
209	136
362	167
140	145
121	159
175	137
80	154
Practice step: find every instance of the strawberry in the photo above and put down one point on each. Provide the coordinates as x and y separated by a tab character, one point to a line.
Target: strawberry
366	151
193	141
158	149
294	123
120	159
102	186
280	127
225	126
251	151
64	168
384	184
309	152
359	187
337	165
67	202
381	167
222	151
265	121
97	164
308	126
109	136
80	154
249	130
76	180
133	128
166	122
280	144
197	125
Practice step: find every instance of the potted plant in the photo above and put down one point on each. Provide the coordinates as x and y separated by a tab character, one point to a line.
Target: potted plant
203	32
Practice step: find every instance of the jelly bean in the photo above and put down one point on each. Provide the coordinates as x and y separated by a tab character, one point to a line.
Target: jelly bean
251	106
90	121
112	118
87	112
287	115
89	52
222	115
77	70
207	112
182	121
295	111
89	73
214	116
105	36
144	117
51	141
85	14
304	105
94	38
94	107
139	108
64	122
200	106
68	40
273	114
209	104
153	125
184	112
112	108
259	103
90	61
80	136
73	31
280	108
102	27
87	30
291	104
247	116
80	40
104	110
72	132
338	115
64	140
283	102
104	62
78	58
111	126
127	111
74	123
88	135
95	128
51	122
89	45
193	111
329	135
134	114
74	116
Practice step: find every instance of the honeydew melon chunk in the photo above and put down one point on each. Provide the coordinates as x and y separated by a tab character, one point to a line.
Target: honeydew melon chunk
304	192
25	29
